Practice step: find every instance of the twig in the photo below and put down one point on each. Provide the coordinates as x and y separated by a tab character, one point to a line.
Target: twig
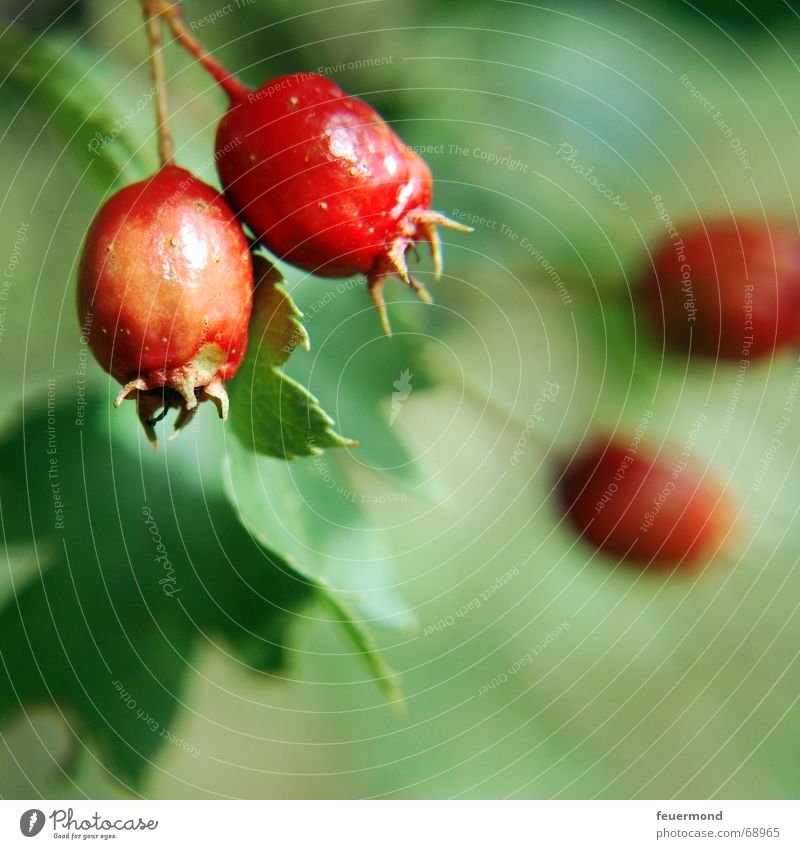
152	21
230	84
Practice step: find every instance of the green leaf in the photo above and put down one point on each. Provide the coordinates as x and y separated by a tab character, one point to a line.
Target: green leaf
271	413
385	677
325	538
308	512
147	565
356	366
64	81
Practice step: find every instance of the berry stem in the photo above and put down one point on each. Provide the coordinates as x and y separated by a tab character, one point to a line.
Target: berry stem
152	22
228	82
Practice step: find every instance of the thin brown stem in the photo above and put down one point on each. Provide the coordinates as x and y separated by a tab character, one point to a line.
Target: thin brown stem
152	22
230	84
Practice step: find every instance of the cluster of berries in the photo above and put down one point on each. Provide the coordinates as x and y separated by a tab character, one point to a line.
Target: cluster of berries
166	275
321	181
727	290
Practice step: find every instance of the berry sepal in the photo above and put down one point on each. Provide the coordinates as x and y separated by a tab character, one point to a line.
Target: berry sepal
418	225
183	389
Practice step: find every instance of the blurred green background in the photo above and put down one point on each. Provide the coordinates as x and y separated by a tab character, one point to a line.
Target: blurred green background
531	665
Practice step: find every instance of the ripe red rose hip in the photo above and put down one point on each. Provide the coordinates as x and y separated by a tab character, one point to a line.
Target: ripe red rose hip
165	285
653	511
729	289
325	183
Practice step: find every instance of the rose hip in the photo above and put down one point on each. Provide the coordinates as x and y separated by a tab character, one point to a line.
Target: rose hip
649	510
324	182
165	283
727	289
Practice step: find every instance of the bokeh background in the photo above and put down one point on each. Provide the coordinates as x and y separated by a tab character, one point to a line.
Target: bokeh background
531	665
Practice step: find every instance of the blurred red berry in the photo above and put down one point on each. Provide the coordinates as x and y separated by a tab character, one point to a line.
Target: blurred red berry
727	288
649	510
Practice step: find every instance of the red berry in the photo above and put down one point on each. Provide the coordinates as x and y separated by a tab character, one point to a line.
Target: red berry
649	510
165	287
325	183
729	289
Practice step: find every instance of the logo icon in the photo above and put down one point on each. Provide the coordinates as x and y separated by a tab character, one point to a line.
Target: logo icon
31	822
402	389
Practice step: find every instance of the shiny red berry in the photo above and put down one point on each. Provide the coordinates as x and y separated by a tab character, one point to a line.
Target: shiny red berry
727	289
165	291
653	511
325	183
